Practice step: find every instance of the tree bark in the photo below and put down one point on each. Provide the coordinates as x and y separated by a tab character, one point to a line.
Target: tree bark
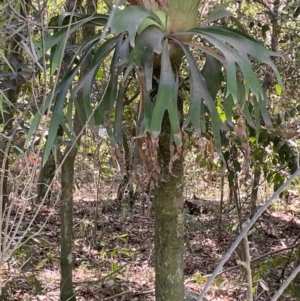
47	174
169	224
5	147
7	120
66	212
66	215
45	178
67	183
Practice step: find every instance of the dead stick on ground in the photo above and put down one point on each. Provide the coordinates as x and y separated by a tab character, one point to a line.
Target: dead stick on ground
129	292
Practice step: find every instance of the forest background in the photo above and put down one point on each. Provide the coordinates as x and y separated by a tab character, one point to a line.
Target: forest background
137	141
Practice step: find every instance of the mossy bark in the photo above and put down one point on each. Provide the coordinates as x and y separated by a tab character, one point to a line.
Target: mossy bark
169	224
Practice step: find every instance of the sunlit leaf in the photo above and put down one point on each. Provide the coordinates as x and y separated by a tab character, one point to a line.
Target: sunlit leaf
238	24
278	89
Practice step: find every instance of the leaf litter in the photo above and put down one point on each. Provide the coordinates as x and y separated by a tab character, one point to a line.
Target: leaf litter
114	256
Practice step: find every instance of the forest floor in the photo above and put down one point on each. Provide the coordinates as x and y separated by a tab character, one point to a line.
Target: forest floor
113	257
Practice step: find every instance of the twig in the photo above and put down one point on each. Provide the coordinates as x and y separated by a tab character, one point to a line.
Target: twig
144	293
117	295
129	292
290	255
245	231
221	202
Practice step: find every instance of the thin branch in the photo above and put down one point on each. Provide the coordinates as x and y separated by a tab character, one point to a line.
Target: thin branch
253	260
245	231
129	292
221	202
117	295
128	101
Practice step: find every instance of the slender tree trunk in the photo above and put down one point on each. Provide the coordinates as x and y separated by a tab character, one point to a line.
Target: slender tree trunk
254	195
128	170
66	212
67	183
7	120
47	174
45	178
66	215
5	147
169	224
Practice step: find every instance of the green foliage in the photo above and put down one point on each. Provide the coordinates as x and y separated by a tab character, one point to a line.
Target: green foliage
154	48
5	296
294	290
166	100
50	257
199	278
117	252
